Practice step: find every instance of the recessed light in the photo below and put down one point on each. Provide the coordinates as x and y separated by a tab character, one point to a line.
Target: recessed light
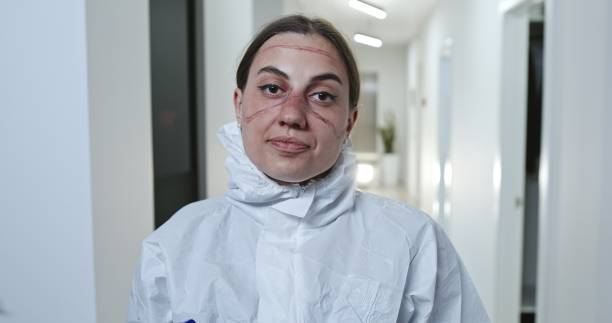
367	40
367	8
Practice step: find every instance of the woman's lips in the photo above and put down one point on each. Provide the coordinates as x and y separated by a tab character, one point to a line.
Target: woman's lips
289	144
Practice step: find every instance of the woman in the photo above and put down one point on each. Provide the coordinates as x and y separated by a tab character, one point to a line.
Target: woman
292	240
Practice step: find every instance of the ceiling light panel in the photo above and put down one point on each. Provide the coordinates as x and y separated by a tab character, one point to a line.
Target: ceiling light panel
367	40
368	9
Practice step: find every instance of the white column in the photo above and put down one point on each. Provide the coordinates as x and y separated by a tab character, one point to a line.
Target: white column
574	279
121	147
228	26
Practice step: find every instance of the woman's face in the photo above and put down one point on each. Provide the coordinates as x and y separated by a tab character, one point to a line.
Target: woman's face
294	109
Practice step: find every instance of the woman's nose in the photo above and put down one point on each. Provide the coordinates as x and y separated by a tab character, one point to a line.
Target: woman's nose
293	113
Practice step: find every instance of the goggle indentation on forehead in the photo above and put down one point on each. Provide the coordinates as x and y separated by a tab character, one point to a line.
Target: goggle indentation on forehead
303	48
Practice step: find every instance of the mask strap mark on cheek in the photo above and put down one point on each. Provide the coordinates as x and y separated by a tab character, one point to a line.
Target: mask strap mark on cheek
294	99
337	134
254	115
274	103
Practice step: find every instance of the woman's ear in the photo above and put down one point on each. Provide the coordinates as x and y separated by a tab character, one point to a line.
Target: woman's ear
353	114
238	104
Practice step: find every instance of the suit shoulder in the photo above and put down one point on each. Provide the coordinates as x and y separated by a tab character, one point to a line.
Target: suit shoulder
403	216
188	217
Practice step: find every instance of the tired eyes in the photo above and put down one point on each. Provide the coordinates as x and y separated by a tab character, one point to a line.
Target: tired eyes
324	96
270	89
274	91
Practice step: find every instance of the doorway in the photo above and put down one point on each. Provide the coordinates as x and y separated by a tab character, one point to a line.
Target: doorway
175	29
532	164
521	126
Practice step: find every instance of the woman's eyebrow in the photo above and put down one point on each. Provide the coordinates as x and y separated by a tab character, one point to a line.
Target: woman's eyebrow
325	76
273	70
316	78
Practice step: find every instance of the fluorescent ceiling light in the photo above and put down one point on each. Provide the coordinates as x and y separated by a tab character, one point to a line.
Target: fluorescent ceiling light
367	8
367	40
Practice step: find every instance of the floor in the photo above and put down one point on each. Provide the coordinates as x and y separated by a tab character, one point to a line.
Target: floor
527	318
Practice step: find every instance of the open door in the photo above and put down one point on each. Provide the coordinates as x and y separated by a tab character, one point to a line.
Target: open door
517	244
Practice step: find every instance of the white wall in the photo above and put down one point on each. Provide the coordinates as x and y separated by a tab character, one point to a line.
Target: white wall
75	175
605	235
266	11
413	122
228	26
47	270
389	64
121	152
427	47
474	27
574	278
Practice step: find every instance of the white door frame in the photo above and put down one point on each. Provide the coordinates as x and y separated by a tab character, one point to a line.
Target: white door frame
510	166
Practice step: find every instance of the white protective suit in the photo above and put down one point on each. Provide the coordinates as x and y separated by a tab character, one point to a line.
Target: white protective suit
320	253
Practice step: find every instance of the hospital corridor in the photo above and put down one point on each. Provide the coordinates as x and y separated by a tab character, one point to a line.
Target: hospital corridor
493	117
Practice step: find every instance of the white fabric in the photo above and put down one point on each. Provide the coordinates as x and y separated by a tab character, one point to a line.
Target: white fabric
320	253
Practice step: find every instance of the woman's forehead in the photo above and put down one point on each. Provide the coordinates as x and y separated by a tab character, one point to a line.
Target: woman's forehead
312	45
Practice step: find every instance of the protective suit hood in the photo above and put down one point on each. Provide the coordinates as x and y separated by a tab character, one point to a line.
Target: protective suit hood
250	188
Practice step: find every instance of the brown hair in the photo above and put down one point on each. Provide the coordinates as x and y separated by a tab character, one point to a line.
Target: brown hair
305	26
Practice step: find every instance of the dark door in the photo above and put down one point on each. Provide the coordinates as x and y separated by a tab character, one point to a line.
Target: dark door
174	102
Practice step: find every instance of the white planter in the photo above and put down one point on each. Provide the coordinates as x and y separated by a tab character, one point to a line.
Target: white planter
389	168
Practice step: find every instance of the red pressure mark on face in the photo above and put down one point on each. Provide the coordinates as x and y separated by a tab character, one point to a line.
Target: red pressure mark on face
305	48
299	101
257	113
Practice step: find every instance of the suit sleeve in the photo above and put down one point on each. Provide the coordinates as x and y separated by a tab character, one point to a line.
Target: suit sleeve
438	288
149	298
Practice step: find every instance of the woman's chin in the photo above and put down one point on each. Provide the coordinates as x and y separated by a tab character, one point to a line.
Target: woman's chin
287	179
294	176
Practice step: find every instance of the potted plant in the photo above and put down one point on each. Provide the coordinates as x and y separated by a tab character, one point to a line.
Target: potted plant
390	159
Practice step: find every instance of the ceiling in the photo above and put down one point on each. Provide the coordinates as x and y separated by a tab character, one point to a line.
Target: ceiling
404	17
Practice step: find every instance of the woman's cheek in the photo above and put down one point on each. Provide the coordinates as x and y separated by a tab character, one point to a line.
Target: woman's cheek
333	121
260	109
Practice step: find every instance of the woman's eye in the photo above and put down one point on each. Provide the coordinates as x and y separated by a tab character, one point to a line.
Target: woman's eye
325	97
272	89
